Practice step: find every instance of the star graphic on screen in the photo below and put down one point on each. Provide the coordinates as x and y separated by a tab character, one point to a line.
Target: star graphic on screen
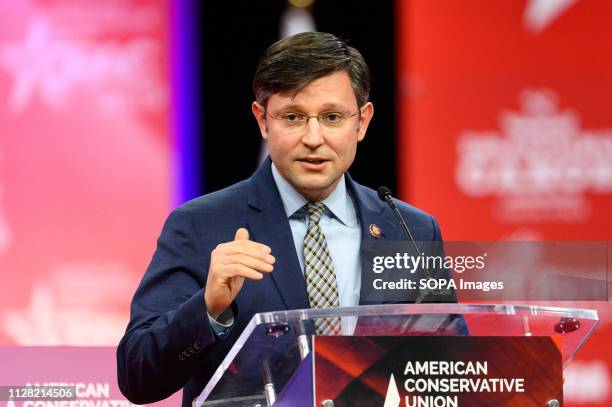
31	65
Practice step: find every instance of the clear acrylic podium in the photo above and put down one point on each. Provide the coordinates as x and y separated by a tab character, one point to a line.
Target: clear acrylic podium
267	362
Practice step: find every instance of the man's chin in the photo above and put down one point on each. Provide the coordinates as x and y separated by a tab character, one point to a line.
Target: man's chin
315	190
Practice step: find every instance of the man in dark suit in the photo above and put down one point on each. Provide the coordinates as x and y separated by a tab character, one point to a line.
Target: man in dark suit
269	242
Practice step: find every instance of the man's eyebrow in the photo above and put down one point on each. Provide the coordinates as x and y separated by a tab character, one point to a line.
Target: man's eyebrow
291	106
324	107
333	106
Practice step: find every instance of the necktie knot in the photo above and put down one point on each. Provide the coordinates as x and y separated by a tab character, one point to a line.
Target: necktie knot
315	211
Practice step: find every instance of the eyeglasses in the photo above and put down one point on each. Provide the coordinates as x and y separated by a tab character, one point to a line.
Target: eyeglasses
298	121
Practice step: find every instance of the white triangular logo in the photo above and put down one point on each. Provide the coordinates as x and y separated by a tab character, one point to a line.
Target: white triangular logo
393	397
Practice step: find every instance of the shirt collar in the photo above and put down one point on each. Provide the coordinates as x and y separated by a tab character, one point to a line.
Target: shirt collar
338	202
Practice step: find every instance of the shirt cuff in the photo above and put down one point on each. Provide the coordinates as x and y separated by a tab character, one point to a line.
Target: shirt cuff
221	326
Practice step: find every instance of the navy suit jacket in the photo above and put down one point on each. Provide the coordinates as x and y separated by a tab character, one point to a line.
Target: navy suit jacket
169	344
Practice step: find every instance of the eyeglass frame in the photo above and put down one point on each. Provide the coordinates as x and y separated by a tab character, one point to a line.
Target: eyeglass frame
307	118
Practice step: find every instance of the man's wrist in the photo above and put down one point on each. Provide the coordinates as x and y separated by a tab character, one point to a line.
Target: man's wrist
213	311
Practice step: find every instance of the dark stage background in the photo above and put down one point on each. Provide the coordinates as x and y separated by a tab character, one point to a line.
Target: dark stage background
231	48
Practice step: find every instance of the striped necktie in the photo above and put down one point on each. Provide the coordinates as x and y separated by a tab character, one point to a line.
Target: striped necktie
319	271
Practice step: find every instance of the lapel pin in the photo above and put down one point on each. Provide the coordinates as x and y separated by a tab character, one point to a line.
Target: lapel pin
375	231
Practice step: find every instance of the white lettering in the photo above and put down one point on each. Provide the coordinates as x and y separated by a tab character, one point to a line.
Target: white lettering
432	401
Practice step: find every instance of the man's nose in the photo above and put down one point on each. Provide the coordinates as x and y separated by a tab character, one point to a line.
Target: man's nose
313	136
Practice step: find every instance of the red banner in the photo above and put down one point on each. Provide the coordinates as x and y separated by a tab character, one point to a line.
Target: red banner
84	164
506	132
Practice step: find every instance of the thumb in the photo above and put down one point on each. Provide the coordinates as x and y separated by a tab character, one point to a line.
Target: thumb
242	234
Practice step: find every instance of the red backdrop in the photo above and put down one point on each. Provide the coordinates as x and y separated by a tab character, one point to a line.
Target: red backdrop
506	132
85	171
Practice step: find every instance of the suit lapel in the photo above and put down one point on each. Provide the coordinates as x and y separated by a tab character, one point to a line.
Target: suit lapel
268	223
372	211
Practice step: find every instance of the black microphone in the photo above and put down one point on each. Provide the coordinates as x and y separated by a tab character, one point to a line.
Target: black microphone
384	194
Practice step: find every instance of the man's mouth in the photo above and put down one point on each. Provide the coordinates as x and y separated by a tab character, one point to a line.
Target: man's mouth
313	163
316	160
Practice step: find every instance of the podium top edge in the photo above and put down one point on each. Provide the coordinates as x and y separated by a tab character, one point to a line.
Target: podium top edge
425	309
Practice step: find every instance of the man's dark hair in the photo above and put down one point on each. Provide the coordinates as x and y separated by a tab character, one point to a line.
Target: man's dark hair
290	64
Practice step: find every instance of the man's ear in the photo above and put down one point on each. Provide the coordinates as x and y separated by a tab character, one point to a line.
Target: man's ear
260	115
366	113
